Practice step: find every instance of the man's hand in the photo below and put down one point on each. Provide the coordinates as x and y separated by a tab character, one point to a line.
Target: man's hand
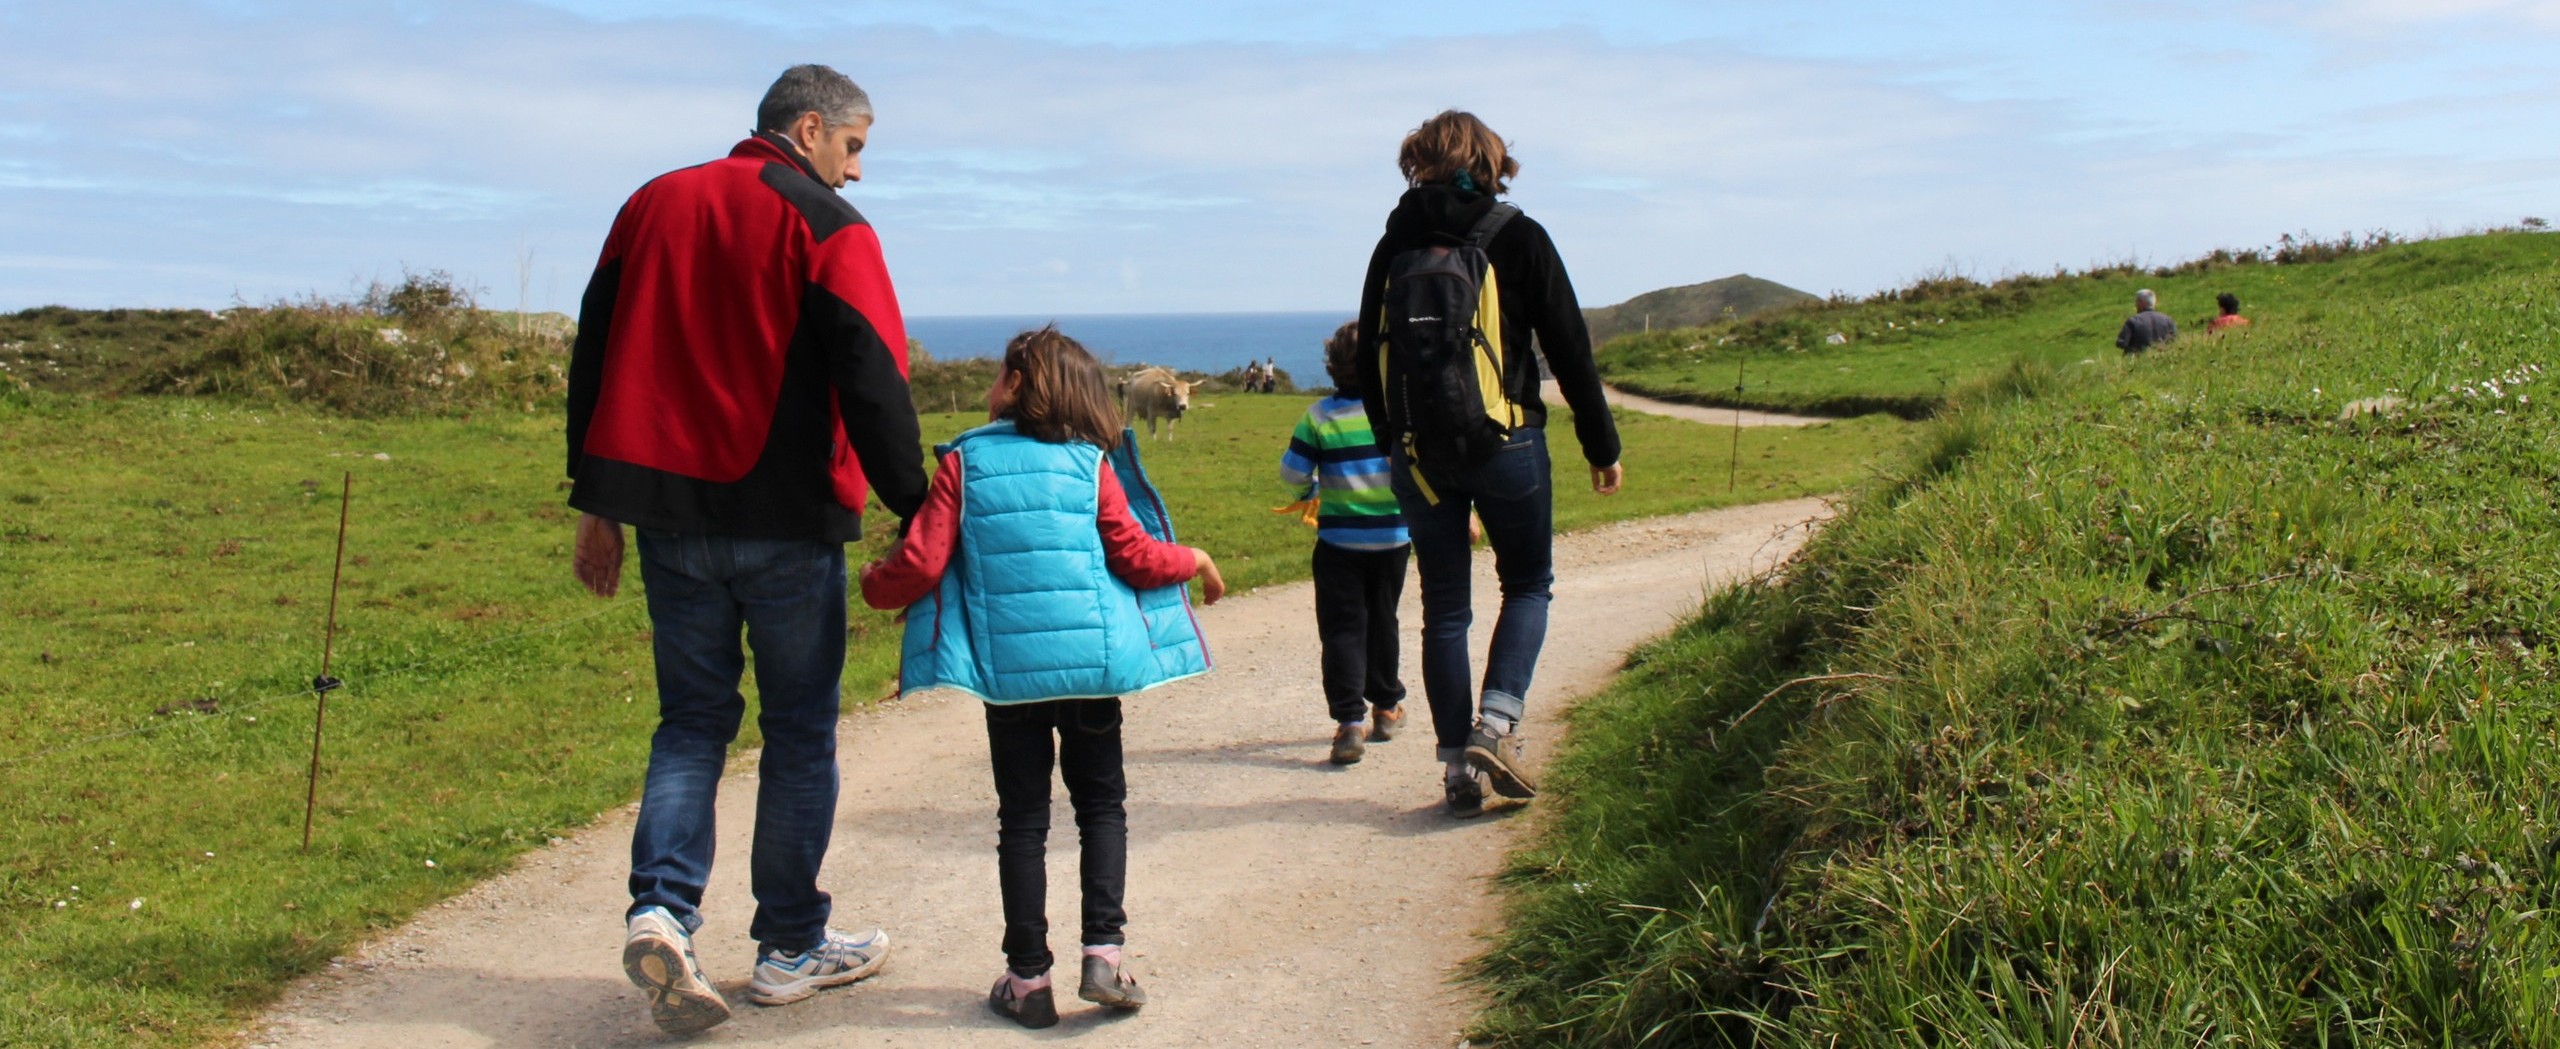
597	558
1604	479
1212	585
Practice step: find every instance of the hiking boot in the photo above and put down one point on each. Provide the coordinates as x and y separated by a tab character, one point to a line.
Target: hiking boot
1034	1008
1465	795
1346	745
1498	756
1384	723
657	954
1108	983
782	979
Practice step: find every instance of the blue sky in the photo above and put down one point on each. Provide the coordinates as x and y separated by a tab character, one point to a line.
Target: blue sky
1075	157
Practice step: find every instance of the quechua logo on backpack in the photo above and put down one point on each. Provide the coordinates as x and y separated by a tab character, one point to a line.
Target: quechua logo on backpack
1441	372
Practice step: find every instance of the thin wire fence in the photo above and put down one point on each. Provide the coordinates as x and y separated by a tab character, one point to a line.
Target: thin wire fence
251	706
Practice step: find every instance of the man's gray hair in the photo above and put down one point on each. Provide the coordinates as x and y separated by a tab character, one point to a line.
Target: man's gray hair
812	89
2144	299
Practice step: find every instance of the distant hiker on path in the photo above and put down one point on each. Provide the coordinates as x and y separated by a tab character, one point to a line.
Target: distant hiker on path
739	376
2229	317
2147	327
1361	554
1040	576
1424	315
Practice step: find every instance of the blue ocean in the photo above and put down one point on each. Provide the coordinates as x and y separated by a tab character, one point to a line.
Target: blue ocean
1207	342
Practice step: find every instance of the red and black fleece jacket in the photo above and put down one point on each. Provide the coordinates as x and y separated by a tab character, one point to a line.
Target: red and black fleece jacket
741	366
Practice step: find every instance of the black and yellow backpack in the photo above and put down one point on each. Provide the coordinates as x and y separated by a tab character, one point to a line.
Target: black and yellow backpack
1441	366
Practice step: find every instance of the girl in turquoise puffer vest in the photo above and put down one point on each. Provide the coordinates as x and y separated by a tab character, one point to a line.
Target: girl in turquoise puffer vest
1040	575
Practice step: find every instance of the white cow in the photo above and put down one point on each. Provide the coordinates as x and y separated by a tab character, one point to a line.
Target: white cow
1152	394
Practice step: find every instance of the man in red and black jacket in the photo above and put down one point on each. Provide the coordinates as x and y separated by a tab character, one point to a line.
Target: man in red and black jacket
738	380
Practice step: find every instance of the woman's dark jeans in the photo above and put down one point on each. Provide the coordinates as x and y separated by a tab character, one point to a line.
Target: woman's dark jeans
1081	739
789	599
1512	495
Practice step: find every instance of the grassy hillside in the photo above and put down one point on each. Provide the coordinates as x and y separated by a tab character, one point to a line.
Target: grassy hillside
164	569
2161	702
1691	305
420	345
1903	350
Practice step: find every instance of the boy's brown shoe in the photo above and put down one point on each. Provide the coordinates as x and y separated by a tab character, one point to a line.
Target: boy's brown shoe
1346	745
1384	723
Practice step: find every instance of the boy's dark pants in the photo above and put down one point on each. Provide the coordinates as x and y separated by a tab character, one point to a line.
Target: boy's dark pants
1356	596
1081	739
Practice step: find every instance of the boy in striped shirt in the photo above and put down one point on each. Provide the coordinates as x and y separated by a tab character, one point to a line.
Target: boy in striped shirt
1360	557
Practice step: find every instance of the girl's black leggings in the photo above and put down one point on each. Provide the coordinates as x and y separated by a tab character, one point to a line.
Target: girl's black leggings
1081	739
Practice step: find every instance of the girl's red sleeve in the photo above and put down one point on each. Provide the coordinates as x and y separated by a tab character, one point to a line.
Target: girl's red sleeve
1140	560
914	566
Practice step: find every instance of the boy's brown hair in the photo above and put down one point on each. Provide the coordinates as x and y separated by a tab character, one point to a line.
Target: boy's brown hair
1062	396
1341	351
1454	142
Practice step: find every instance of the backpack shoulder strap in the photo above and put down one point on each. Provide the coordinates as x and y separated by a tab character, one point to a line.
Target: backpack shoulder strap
1491	224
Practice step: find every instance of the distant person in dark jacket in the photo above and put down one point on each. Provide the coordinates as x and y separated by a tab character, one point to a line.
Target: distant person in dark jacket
1456	167
2147	327
2229	317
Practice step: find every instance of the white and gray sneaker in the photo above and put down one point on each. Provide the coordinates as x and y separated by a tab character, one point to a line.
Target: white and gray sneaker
838	960
657	954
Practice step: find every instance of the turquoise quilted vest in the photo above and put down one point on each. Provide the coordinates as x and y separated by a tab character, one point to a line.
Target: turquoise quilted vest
1028	610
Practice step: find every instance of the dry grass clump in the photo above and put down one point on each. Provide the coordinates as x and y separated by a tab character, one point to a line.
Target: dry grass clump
420	345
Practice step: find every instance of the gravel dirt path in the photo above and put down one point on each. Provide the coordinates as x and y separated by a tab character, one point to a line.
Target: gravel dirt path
1694	413
1274	900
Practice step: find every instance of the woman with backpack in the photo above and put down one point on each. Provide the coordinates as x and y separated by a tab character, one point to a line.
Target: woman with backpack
1456	288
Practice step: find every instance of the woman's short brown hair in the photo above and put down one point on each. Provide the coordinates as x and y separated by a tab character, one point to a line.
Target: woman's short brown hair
1453	142
1340	359
1062	396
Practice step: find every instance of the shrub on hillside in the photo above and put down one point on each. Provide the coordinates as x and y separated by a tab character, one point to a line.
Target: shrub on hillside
420	345
62	350
948	385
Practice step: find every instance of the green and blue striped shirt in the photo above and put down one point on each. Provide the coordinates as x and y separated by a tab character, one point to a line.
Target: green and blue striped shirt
1335	454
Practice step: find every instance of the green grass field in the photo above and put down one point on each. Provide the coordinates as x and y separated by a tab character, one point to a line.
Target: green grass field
1907	349
2150	703
173	553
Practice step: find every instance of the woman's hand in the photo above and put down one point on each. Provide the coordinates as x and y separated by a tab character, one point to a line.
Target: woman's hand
1605	479
1212	585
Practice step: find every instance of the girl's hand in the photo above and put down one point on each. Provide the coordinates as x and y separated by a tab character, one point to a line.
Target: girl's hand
1212	585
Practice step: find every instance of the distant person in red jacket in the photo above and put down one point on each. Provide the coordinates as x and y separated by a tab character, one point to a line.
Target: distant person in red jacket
2229	317
738	381
2148	327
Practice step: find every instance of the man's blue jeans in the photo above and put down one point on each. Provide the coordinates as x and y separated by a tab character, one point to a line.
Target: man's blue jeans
788	597
1512	495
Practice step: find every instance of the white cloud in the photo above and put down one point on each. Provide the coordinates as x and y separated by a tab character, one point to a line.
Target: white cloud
2386	13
